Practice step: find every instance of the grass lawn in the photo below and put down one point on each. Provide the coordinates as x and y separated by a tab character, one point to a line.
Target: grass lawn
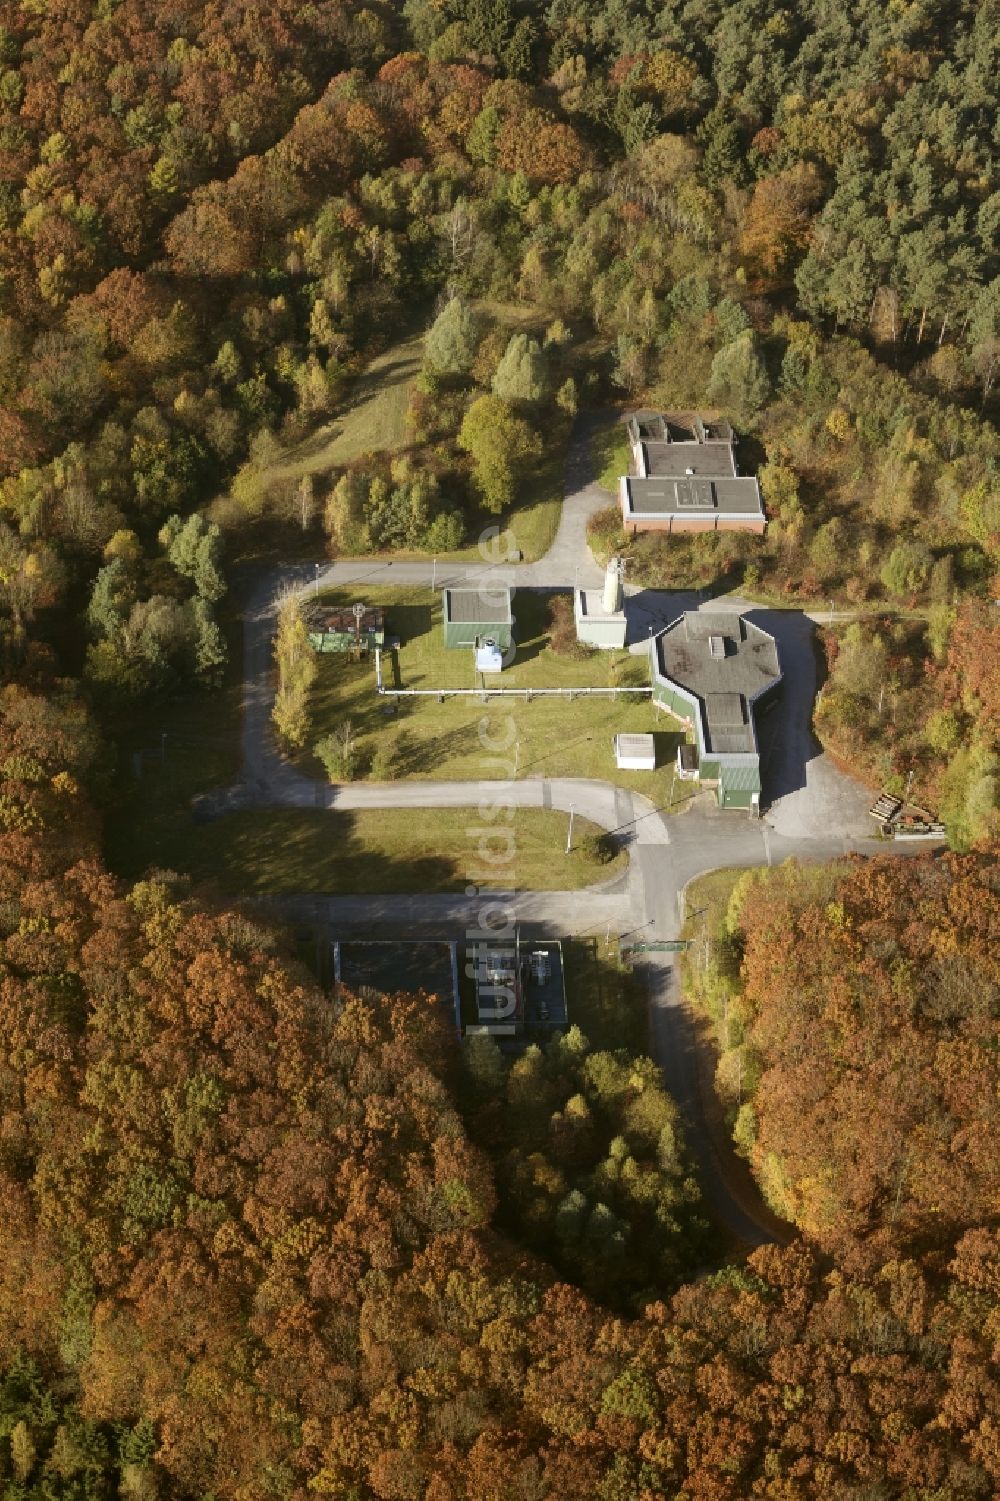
604	999
431	739
385	850
166	752
372	419
706	901
611	453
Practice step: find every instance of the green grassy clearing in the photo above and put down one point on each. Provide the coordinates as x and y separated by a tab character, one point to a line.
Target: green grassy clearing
706	901
385	850
426	738
603	998
147	815
611	453
373	418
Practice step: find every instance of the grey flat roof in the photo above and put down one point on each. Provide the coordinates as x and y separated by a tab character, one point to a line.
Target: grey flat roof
590	603
725	685
636	745
489	605
711	459
662	496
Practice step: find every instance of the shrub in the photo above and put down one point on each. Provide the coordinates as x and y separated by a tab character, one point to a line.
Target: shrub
338	753
598	848
562	629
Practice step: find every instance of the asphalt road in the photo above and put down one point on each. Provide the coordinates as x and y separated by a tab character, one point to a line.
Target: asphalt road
815	813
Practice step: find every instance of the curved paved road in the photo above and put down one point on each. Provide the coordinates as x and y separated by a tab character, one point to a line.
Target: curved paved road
817	813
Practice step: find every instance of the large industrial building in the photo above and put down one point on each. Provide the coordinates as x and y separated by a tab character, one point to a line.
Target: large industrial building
716	671
686	478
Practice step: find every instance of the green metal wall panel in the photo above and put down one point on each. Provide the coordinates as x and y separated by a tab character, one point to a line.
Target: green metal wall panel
464	637
673	701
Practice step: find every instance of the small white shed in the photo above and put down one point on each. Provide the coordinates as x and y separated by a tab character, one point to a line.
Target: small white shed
635	752
489	657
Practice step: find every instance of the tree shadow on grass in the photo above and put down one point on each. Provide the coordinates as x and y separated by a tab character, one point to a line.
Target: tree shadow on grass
414	756
294	850
408	622
532	623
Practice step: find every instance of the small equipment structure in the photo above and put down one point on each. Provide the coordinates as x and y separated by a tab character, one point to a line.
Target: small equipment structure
489	657
518	989
600	613
473	615
635	752
355	629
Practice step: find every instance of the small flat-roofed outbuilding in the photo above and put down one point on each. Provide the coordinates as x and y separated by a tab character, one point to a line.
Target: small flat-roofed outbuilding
715	670
595	624
635	752
471	614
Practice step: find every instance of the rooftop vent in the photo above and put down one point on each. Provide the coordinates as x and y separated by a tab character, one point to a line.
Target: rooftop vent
717	646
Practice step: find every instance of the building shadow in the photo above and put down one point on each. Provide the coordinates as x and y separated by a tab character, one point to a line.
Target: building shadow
785	735
650	611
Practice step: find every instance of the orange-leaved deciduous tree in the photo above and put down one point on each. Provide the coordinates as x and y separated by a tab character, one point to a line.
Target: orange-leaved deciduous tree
244	1224
873	1032
543	148
778	219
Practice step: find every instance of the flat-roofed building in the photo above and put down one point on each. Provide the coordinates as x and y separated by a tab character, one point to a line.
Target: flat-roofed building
600	613
470	615
686	478
715	670
635	752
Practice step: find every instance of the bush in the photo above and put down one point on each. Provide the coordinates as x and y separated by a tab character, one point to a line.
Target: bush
906	569
562	629
598	848
384	759
338	753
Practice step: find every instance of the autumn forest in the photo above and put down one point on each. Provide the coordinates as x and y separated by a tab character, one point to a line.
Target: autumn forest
258	1243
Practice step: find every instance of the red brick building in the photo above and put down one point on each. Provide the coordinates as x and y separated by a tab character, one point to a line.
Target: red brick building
685	478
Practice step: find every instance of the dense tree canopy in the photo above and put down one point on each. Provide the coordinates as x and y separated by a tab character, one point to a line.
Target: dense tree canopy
869	1020
246	1244
258	1243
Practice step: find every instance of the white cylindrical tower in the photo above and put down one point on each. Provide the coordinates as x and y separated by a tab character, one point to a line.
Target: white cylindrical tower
614	591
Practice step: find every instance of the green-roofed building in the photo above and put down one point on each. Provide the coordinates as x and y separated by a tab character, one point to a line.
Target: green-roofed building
715	670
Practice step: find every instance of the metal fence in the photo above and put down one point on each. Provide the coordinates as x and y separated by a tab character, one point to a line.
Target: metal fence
488	691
